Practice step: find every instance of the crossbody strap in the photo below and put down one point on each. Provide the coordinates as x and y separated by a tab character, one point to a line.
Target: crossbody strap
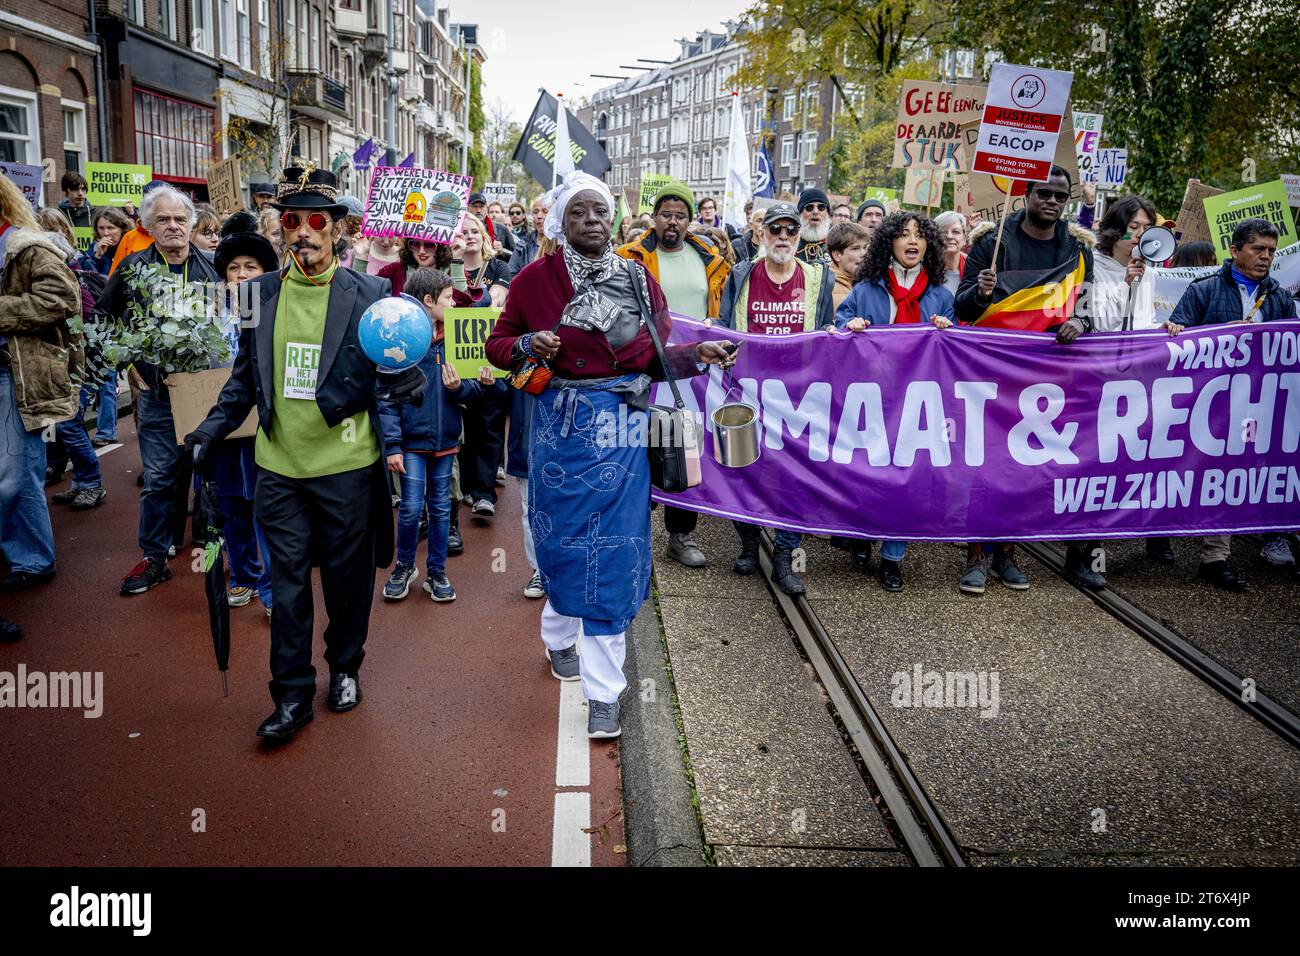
663	361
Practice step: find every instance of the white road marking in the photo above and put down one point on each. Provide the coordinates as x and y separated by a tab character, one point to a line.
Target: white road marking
570	846
101	452
573	749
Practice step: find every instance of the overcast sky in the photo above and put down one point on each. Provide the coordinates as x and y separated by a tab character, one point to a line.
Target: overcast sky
556	44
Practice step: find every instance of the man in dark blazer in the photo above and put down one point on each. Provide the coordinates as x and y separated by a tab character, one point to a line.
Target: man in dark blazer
318	446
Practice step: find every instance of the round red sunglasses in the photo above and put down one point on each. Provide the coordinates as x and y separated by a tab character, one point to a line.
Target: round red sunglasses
291	220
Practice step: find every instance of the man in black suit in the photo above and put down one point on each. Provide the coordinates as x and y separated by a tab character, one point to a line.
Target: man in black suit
318	446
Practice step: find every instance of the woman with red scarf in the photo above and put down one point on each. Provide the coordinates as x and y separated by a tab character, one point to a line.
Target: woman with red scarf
900	283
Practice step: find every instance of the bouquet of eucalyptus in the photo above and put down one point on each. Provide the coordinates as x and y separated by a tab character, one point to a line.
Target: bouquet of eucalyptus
168	323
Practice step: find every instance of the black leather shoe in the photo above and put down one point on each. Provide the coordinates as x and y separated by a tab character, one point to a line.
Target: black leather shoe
1221	576
455	543
783	574
1078	571
345	692
1160	551
10	631
862	556
289	717
891	575
747	561
22	580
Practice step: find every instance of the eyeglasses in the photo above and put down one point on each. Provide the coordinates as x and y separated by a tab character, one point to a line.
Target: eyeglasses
418	245
1045	194
816	207
789	231
291	220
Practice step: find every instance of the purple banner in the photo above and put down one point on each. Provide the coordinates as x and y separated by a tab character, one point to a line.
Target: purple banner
916	433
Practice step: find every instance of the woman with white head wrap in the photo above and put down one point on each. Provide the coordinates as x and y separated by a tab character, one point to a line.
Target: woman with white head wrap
585	312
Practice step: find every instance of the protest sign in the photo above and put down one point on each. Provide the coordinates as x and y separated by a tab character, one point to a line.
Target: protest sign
416	203
923	187
1264	201
930	117
1022	121
465	333
1087	138
1170	284
651	183
1192	224
192	395
963	202
85	236
969	434
116	184
225	191
992	196
536	147
880	193
1292	184
1111	168
27	178
504	193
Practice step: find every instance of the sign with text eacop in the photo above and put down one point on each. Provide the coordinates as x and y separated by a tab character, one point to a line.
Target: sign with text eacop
116	184
1022	121
1265	201
416	203
465	333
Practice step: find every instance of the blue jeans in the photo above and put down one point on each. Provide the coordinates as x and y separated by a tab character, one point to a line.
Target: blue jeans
245	545
85	463
787	540
426	484
893	550
107	427
26	538
161	458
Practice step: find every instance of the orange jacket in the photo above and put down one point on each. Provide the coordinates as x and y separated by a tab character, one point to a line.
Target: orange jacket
133	241
716	268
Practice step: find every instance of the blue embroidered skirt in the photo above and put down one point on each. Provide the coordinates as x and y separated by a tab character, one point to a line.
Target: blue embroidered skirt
589	503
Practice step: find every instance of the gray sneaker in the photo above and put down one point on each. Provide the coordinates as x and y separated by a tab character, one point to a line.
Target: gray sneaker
975	577
602	720
399	583
564	664
683	549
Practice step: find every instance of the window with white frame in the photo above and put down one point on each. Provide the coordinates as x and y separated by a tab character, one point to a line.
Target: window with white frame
201	26
787	149
264	38
787	105
74	135
313	60
226	13
19	128
167	18
719	164
304	35
243	34
810	147
135	11
812	98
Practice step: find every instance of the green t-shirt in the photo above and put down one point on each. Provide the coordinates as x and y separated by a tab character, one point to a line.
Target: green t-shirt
685	285
301	445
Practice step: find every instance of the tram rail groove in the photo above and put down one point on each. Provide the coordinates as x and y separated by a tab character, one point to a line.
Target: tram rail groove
1227	682
925	834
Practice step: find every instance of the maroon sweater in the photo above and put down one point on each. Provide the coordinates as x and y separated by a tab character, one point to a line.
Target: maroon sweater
538	295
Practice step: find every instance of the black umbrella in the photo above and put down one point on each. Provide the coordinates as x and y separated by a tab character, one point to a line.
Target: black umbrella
214	577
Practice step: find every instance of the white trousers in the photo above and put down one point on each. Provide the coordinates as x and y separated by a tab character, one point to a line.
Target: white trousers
600	656
529	552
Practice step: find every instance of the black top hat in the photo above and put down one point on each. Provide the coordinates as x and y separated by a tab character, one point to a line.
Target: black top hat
306	187
239	237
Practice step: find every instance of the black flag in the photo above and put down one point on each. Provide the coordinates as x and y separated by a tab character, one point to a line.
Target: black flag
536	149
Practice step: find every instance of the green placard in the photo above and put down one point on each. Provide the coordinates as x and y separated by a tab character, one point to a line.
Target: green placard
880	193
1266	201
651	183
465	333
116	184
85	237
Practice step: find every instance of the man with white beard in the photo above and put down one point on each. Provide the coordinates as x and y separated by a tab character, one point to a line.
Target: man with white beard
815	226
777	294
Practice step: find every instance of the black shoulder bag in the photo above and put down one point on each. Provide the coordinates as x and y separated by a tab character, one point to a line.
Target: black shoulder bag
674	445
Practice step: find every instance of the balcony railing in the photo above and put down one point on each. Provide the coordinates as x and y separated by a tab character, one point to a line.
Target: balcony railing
317	95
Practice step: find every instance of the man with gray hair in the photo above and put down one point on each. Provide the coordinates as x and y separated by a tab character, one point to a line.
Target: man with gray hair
130	295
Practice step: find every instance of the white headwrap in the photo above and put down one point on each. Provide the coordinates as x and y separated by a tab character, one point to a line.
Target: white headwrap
558	199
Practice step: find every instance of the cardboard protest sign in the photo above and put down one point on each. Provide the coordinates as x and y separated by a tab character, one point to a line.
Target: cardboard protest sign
1111	168
27	178
651	183
963	202
930	117
465	333
1292	184
225	191
1087	138
504	193
416	203
1264	201
116	184
1192	224
192	396
924	187
1022	121
992	196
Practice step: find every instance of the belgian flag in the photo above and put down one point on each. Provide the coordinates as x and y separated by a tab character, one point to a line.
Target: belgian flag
1034	301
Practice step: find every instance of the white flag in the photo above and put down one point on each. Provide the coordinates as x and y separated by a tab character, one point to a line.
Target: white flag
562	165
740	189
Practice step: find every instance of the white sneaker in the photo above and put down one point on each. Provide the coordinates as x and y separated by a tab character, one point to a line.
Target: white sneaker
484	508
1277	553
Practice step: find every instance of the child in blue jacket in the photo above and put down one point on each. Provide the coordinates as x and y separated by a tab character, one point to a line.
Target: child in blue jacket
421	442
